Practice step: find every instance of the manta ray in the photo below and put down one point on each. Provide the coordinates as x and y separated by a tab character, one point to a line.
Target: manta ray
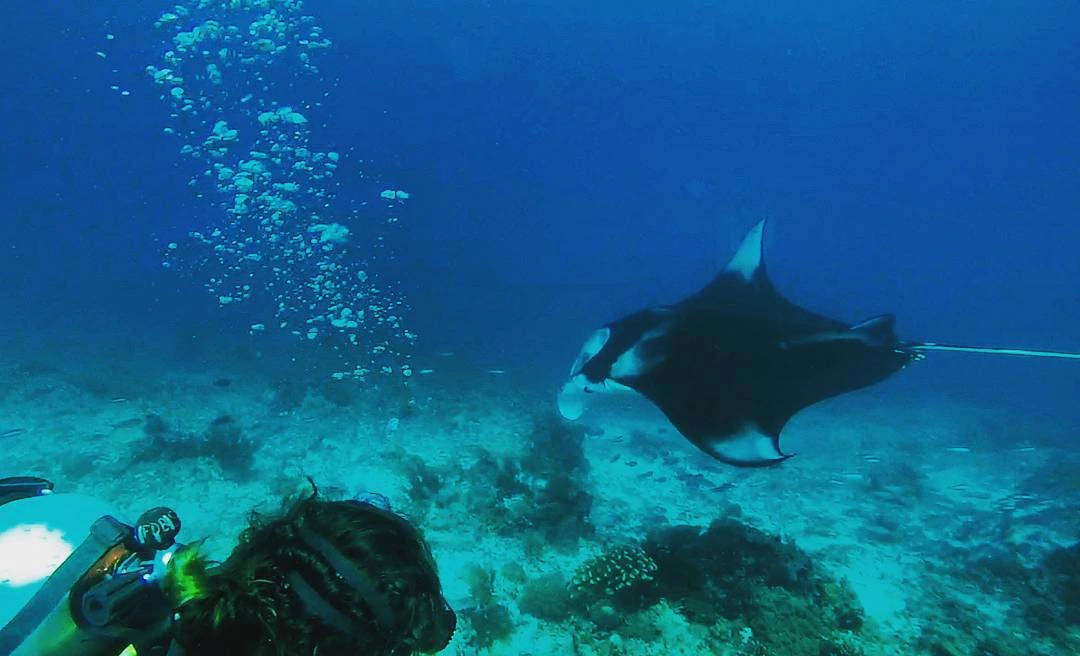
731	364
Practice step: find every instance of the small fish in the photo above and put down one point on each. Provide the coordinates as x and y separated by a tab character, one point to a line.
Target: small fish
12	432
869	458
851	476
118	399
631	463
959	487
497	372
644	475
424	372
1005	508
958	449
1017	500
1024	449
614	457
128	423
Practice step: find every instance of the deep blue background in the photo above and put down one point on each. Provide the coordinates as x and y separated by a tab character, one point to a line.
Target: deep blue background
571	161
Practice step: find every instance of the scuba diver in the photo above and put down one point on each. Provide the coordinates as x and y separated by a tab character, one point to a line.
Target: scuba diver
322	578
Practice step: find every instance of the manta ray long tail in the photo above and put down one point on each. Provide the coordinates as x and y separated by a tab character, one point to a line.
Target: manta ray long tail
1029	353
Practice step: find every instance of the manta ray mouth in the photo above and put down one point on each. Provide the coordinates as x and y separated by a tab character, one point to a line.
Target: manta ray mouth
571	401
576	394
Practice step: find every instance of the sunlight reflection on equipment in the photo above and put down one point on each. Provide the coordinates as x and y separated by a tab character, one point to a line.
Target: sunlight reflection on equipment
30	553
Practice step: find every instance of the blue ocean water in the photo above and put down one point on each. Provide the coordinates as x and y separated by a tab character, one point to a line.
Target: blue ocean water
564	164
571	162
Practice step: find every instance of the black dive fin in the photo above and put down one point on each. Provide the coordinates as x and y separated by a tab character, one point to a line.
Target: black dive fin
14	488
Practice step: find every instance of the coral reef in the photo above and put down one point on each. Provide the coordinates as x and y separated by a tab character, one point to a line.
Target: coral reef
338	392
1042	613
741	574
540	499
481	582
226	443
555	472
496	491
223	442
286	396
547	597
1062	571
615	574
897	483
424	484
489	624
728	589
725	563
489	621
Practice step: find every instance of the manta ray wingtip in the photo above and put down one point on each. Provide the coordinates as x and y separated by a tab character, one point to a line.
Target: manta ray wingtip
749	447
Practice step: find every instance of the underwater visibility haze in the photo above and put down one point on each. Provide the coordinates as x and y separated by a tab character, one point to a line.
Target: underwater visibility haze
248	242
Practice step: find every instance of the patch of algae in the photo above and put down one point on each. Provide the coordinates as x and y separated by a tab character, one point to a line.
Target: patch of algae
729	590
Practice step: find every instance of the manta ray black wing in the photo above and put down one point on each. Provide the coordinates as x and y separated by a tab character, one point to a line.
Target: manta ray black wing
731	364
734	362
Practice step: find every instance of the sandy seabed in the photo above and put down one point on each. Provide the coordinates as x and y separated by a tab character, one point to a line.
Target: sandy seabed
940	517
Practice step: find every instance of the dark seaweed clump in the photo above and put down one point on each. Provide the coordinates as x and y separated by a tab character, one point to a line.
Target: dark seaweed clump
1062	571
223	442
727	563
488	620
743	574
541	498
1042	617
287	395
1046	597
552	479
727	575
490	624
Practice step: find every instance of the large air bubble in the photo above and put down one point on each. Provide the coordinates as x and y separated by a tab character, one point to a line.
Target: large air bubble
229	71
